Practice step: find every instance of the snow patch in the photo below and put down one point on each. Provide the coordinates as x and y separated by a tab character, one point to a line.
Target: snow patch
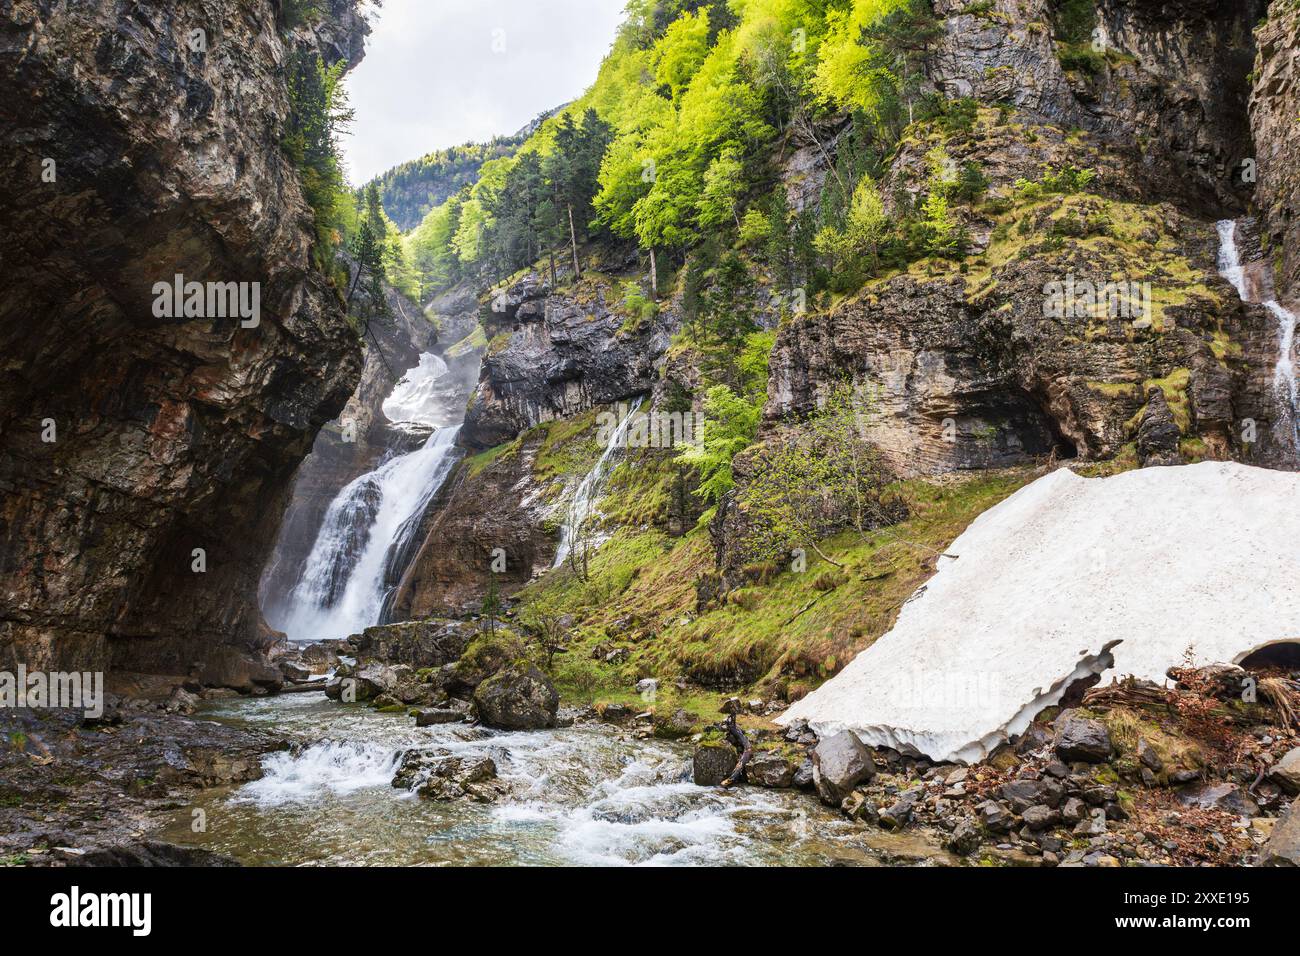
1070	577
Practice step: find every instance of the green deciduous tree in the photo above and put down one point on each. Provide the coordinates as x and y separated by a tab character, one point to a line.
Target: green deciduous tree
729	427
820	476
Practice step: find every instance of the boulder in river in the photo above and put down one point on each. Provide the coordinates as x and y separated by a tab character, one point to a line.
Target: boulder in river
419	644
767	768
374	680
441	775
432	716
517	697
840	763
673	724
713	762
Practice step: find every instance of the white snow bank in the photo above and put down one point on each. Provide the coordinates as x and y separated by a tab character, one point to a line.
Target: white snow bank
1049	584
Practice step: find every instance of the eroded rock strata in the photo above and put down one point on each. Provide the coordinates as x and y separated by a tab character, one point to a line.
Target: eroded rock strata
169	435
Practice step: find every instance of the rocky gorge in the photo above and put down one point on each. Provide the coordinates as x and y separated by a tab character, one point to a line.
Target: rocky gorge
531	700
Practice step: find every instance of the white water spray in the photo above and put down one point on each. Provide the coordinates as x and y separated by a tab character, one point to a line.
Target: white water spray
347	574
589	489
1287	427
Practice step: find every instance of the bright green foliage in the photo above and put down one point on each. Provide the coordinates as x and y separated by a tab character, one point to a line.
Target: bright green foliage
823	478
943	233
755	228
681	50
1063	182
865	228
411	190
318	114
729	428
753	363
639	307
430	251
522	208
723	183
728	306
367	295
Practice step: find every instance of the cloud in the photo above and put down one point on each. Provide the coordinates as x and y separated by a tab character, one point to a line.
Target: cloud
439	73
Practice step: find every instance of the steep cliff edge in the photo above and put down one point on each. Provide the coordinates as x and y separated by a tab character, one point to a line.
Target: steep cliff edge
1275	122
145	460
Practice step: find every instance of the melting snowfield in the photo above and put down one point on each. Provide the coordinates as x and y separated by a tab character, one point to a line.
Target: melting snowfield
1066	578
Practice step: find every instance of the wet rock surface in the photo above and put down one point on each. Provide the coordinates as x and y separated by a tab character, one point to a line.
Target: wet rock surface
439	775
518	697
75	791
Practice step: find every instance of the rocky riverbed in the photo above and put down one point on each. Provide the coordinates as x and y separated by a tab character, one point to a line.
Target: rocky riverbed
349	792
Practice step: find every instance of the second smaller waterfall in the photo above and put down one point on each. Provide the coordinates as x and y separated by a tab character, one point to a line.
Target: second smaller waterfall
589	489
1287	428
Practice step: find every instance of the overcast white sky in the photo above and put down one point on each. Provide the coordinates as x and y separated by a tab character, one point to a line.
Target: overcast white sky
439	73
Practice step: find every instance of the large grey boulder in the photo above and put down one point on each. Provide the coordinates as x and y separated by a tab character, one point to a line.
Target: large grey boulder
1286	772
376	679
1081	738
1283	846
419	644
518	697
769	769
840	763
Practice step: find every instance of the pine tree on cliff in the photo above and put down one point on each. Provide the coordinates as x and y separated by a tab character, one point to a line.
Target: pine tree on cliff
573	170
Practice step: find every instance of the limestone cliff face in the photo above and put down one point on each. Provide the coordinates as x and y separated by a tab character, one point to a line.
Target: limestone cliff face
554	355
1169	89
502	506
1274	112
170	435
965	365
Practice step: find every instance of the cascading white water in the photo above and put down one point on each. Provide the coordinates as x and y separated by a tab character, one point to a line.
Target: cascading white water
426	394
588	491
343	582
348	573
1285	388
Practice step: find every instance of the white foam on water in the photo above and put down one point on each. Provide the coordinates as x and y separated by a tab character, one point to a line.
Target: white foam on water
335	600
329	767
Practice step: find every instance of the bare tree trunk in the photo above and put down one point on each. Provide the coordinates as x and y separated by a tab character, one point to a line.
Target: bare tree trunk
573	239
654	276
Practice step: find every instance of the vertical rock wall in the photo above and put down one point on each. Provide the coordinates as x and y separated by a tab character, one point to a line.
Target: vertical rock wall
171	435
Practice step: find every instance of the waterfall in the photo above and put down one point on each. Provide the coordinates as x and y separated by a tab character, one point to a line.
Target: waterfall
584	499
426	394
1287	427
367	536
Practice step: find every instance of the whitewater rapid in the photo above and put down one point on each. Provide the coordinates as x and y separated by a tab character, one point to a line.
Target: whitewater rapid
585	795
